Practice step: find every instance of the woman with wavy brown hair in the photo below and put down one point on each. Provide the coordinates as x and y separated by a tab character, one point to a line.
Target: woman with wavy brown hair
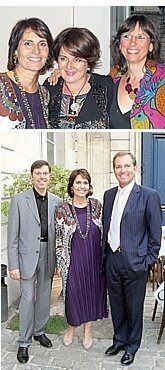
138	75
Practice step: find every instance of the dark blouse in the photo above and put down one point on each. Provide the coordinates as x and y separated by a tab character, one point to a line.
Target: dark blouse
35	106
66	118
117	119
94	112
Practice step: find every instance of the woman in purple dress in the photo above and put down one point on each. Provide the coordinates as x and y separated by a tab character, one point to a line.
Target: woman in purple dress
78	248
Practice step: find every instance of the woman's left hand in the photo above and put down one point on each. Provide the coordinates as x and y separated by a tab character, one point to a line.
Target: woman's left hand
58	271
53	78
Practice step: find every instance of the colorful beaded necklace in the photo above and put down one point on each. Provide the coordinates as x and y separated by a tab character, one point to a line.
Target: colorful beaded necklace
26	103
82	236
131	92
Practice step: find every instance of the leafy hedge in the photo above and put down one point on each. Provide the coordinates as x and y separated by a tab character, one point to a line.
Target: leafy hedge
22	181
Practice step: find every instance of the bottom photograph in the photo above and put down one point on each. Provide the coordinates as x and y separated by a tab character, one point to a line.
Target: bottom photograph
82	249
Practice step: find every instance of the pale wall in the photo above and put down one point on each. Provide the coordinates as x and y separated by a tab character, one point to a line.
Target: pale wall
96	18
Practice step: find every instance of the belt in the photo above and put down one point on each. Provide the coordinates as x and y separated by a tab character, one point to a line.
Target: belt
43	239
118	250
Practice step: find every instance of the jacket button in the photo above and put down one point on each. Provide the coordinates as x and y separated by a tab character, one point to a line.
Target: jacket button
37	251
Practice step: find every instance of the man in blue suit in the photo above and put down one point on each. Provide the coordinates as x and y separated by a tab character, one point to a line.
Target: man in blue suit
132	220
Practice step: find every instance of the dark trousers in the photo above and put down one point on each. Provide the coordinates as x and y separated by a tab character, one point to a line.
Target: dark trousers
126	296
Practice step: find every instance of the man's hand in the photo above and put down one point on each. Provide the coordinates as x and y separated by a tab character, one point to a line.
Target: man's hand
15	274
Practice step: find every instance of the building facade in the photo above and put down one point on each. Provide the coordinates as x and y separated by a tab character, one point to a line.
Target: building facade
91	150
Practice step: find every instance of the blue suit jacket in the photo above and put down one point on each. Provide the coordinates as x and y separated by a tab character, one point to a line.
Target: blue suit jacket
140	228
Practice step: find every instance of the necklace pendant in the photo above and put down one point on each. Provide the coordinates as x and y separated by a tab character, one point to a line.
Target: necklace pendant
132	95
75	107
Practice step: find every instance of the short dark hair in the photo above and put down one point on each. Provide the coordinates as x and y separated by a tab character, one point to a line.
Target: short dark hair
123	153
79	42
85	174
129	23
37	26
38	164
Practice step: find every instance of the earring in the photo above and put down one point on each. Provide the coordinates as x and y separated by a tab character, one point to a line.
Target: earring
15	58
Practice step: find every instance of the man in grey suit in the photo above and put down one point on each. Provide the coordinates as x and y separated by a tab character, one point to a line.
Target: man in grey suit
131	240
31	255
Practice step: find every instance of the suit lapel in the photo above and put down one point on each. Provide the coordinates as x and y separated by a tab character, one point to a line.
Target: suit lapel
51	207
132	198
109	205
31	202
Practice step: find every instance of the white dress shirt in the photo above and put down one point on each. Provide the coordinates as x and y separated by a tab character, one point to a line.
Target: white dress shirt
120	201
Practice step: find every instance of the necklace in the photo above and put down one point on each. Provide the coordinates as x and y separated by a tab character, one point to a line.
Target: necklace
74	105
83	236
26	103
131	92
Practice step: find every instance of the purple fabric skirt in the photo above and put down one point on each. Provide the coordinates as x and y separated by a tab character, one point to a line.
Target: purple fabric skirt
86	292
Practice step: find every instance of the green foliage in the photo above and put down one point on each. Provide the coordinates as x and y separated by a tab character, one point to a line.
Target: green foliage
56	324
5	208
13	324
59	181
22	181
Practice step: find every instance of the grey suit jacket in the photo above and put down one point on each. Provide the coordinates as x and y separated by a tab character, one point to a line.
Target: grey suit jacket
24	232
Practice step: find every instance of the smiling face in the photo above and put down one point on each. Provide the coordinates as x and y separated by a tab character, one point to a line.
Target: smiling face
32	51
41	178
135	45
124	170
80	187
73	69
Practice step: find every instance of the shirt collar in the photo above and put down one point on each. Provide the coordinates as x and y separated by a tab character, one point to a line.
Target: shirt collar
39	196
127	188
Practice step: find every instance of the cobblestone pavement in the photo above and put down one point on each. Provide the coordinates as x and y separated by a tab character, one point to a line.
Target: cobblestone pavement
151	356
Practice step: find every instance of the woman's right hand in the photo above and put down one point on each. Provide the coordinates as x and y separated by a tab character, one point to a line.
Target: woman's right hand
53	78
58	271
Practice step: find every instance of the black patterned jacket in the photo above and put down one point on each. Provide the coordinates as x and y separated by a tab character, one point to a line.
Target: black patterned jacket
94	113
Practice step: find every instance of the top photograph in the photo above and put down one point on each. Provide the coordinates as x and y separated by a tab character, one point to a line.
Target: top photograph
82	67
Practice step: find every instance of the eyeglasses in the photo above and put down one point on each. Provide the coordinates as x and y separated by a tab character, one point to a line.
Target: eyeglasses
129	37
74	60
38	173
